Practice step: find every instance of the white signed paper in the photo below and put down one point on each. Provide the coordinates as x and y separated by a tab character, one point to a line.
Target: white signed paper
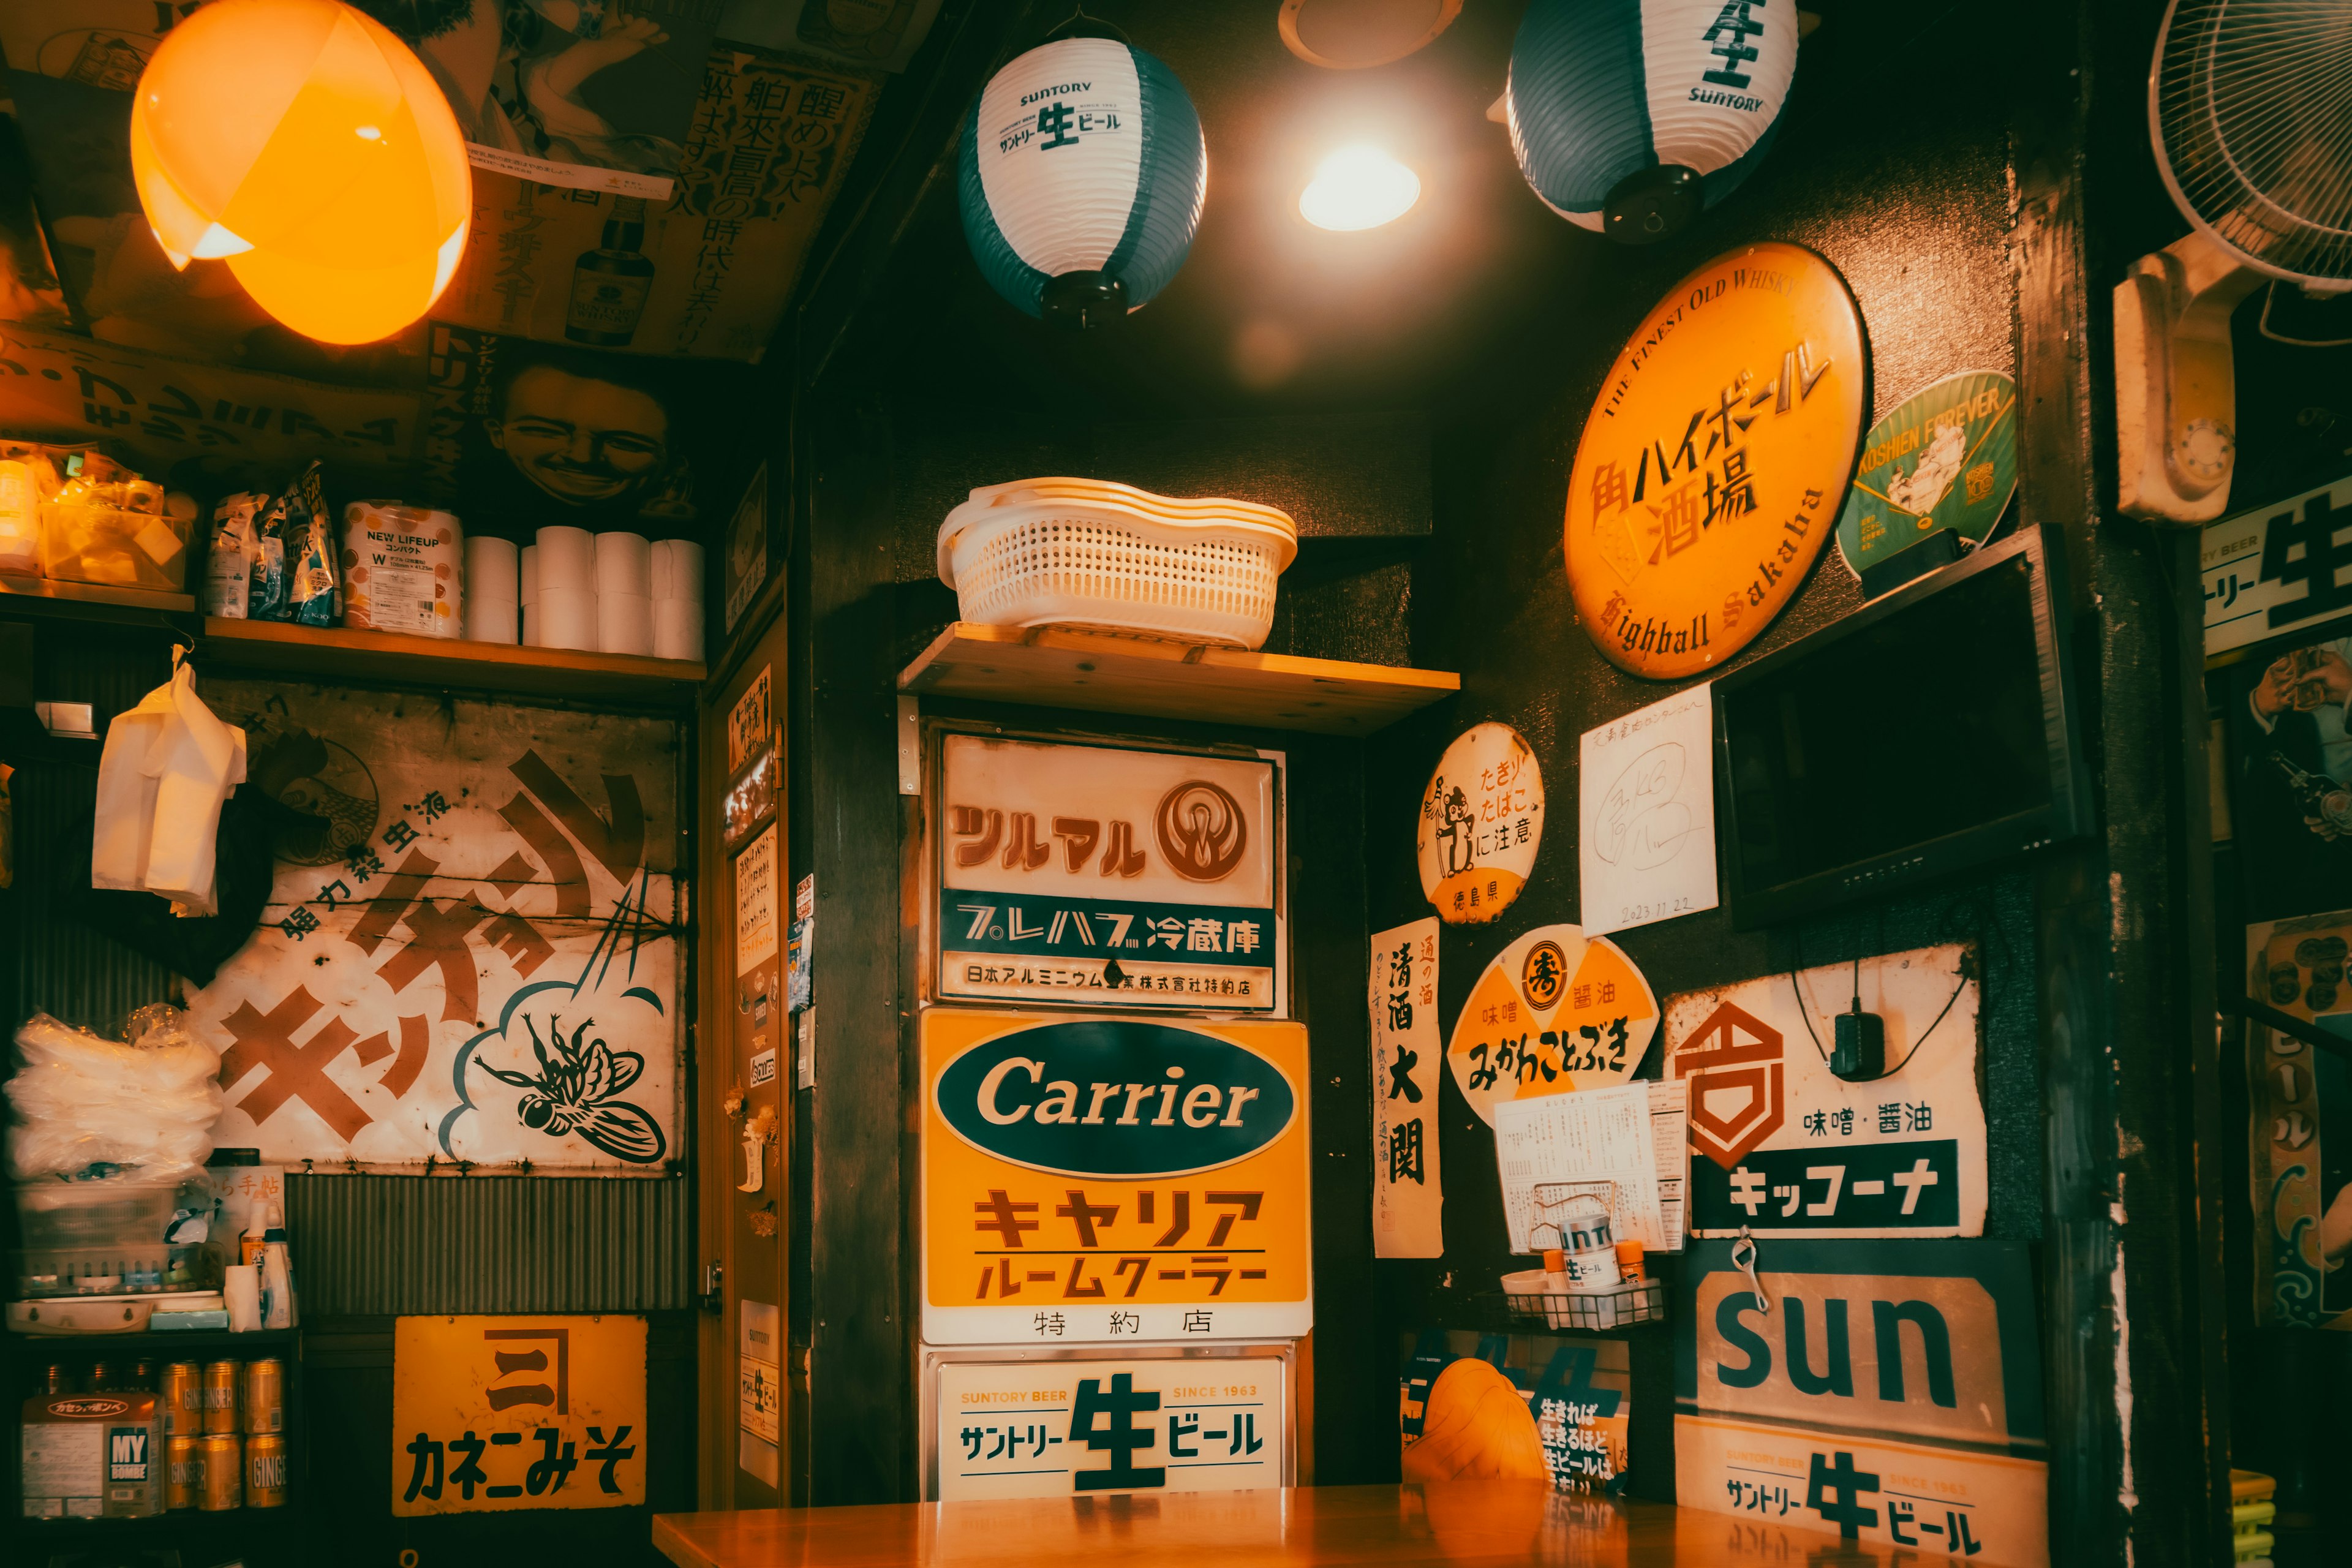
1646	787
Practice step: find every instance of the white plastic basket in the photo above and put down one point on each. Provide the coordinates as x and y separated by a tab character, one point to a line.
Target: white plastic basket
1104	556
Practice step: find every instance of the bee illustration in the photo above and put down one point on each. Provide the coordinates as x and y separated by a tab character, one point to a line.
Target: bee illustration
574	1093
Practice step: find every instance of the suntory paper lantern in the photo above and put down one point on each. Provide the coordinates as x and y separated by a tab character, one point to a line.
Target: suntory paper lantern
303	142
1083	171
1632	118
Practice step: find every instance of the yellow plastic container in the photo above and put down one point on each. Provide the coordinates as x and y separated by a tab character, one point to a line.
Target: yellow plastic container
117	534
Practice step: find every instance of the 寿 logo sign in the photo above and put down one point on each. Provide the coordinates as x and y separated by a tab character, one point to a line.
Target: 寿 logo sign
1115	1099
1107	876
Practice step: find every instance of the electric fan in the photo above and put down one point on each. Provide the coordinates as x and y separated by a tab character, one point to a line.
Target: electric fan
2251	110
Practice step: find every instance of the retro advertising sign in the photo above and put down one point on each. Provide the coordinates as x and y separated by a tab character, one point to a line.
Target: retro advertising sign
1783	1146
495	1414
1092	1179
1076	1428
1552	1013
2303	1201
1945	459
1102	876
1408	1180
1481	825
1888	1393
2277	569
471	947
1710	472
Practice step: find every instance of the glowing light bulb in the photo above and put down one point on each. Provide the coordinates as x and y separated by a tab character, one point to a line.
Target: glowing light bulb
1358	188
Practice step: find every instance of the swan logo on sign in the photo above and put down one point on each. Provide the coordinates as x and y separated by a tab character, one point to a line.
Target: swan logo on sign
1115	1098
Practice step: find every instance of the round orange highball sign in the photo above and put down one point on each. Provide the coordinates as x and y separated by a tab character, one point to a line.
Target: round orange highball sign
1712	469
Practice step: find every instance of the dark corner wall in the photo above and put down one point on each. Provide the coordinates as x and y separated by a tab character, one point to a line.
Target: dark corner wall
1979	177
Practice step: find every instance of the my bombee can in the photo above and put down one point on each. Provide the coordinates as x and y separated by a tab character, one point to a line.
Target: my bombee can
265	1396
265	1470
185	1480
183	1399
223	1482
220	1396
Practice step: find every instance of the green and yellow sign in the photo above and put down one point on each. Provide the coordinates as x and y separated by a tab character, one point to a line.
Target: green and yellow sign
1708	477
1947	458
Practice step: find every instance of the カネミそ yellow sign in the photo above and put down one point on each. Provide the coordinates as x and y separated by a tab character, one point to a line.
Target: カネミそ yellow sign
1102	1179
1711	471
493	1414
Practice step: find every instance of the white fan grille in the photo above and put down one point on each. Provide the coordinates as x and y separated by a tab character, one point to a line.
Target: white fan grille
2250	106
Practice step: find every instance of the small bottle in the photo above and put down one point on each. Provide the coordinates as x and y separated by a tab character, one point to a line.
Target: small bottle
1629	1262
276	1275
1555	1271
610	284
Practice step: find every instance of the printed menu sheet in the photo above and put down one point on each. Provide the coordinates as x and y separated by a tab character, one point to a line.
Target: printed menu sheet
1556	1147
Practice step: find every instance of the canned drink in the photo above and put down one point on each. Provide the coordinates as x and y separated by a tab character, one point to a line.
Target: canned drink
142	1378
182	1399
265	1470
101	1379
265	1396
221	1379
56	1380
223	1480
185	1480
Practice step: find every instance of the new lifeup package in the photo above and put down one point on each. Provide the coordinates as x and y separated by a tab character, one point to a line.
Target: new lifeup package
404	569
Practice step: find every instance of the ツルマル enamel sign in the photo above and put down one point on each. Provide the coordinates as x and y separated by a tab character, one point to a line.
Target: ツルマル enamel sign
470	951
1104	876
1105	1179
1710	472
1888	1393
495	1414
1552	1013
1481	825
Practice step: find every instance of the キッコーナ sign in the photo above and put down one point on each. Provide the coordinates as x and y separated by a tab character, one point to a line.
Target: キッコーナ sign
1710	472
1108	876
1092	1178
496	1414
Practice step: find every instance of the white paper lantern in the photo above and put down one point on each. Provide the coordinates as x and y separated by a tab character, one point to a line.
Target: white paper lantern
1632	115
1082	174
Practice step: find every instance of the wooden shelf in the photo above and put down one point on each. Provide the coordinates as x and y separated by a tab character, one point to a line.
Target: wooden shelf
1106	674
329	652
85	598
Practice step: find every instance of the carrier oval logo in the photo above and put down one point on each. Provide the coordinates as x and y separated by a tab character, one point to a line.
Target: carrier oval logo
1111	1098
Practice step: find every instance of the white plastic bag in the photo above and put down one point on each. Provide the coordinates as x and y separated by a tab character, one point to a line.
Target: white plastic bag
82	1098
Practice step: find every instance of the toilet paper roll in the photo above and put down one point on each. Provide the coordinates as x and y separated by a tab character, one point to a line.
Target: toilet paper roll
684	570
527	590
565	618
567	559
625	623
241	1287
678	628
531	626
488	621
661	575
623	564
493	570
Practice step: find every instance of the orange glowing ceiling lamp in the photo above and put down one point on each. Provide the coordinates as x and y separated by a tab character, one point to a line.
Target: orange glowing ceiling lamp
304	144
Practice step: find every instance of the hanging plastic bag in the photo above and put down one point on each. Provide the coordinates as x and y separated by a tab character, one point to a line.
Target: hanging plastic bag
83	1100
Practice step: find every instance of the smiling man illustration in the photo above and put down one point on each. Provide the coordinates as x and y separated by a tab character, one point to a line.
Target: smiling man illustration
585	440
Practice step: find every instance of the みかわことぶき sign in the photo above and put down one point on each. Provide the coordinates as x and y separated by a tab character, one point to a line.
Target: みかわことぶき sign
1102	1179
494	1414
1552	1013
1709	473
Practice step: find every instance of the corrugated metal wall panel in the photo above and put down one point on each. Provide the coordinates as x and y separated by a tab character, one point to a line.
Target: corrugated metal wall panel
377	1245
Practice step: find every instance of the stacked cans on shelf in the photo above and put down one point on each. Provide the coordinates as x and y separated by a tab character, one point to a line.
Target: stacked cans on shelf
121	1440
226	1434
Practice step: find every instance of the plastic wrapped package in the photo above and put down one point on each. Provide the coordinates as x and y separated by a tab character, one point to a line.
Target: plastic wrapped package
107	525
83	1100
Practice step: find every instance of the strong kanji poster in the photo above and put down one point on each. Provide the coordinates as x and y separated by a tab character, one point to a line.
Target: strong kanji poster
471	949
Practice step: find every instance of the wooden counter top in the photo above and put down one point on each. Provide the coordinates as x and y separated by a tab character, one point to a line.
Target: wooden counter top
1464	1524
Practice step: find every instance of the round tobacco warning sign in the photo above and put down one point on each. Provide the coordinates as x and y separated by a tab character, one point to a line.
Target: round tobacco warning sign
1481	824
1947	458
1553	1012
1709	473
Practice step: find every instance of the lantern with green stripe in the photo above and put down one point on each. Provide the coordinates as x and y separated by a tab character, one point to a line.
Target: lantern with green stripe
1082	174
1633	116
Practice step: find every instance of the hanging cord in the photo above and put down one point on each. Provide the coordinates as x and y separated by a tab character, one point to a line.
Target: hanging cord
1080	26
1805	1011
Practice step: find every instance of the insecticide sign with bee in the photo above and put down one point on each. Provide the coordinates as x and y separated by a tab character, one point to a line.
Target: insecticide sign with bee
1093	1179
470	946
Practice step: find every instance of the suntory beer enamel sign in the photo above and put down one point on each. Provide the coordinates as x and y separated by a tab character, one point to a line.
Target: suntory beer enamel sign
1090	1179
1712	469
